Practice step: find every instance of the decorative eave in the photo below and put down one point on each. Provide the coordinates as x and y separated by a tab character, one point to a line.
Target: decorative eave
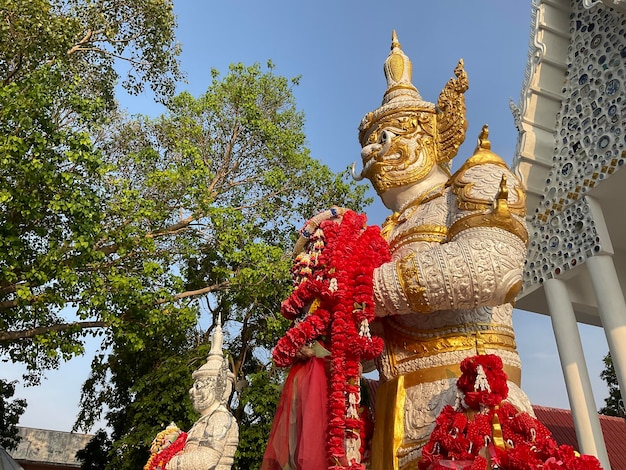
571	146
541	96
615	4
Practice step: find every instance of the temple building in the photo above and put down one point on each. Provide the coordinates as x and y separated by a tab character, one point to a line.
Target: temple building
571	119
41	449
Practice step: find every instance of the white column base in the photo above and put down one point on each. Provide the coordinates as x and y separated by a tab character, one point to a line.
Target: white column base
584	414
612	309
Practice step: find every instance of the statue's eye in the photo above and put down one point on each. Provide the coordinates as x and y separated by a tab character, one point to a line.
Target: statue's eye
385	137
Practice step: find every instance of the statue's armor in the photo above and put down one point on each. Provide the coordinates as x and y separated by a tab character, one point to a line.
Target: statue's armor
457	255
211	443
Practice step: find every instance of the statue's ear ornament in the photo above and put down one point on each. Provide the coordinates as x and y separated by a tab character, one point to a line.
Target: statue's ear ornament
451	122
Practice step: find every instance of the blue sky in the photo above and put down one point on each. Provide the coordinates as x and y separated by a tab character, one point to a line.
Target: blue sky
338	48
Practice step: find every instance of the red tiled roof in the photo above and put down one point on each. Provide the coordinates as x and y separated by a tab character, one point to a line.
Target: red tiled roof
561	424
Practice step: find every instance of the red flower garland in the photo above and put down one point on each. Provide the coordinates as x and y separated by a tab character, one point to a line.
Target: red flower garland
159	460
486	431
334	298
496	389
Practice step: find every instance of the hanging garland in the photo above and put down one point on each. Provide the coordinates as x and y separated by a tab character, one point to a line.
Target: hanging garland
165	445
484	432
333	299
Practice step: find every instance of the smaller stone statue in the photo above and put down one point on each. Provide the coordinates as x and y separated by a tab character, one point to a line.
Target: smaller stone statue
212	440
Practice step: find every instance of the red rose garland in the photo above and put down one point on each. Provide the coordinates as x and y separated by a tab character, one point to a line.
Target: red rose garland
482	381
334	298
160	459
486	432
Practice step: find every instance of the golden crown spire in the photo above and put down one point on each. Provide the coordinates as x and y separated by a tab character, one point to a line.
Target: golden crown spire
399	73
401	95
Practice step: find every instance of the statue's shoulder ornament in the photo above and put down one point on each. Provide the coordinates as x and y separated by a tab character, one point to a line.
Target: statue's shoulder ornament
476	183
488	194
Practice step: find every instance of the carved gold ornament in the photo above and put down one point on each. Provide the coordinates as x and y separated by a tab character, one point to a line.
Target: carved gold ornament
408	275
495	211
465	188
406	136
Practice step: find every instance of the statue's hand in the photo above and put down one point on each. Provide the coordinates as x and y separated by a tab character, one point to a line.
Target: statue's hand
305	353
335	214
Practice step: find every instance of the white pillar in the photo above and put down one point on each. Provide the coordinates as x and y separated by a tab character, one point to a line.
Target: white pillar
586	421
612	309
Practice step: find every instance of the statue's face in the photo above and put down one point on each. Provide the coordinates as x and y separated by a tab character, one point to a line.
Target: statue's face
400	151
202	393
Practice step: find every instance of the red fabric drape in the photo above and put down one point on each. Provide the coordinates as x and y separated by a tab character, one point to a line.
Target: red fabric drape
298	437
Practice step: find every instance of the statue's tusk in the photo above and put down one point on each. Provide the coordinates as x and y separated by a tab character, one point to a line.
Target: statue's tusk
354	175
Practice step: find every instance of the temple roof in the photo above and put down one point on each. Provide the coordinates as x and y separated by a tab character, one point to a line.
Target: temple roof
7	462
561	425
50	447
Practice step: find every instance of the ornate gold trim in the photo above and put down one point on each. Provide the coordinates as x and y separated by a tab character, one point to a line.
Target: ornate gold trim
509	224
451	122
400	217
408	275
463	189
512	293
478	341
394	117
468	203
447	330
481	158
452	371
423	233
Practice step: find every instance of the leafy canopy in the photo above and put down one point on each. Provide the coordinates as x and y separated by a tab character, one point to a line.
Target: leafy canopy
57	78
613	404
118	227
202	202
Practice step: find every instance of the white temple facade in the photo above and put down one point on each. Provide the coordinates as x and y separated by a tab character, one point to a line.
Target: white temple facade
571	148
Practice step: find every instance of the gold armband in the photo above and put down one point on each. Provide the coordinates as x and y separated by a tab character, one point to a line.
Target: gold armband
408	275
507	223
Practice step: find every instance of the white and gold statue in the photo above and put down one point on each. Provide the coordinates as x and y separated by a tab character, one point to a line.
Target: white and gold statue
458	244
212	441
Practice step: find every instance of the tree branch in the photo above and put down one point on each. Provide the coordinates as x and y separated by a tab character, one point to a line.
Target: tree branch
169	230
109	53
191	293
83	41
10	336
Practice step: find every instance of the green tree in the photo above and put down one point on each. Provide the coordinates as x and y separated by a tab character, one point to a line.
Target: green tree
95	455
203	202
58	62
613	404
116	227
57	80
10	412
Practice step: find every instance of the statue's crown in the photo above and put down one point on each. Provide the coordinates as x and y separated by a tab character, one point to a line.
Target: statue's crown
400	95
215	363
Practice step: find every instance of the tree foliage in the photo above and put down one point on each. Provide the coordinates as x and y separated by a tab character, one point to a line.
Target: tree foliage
613	404
119	227
86	40
57	80
10	412
203	202
95	455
